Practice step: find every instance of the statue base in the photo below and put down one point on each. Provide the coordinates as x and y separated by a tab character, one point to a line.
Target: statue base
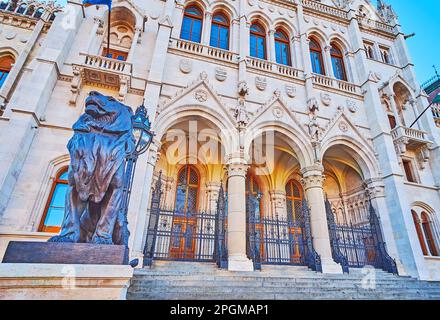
65	253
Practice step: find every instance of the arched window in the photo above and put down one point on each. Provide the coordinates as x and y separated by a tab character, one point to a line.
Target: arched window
187	190
316	57
3	4
294	196
429	236
21	9
338	63
192	24
6	63
282	48
39	13
30	11
258	41
220	31
54	211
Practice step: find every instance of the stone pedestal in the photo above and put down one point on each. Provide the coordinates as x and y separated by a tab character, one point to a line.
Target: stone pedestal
65	253
63	282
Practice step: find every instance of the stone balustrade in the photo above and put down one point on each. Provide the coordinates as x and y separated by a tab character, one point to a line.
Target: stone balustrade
275	68
436	114
408	138
333	83
106	64
325	9
374	24
207	51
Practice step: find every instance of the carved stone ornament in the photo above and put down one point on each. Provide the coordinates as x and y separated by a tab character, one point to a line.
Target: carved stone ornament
186	65
241	115
278	112
261	83
290	91
201	95
102	139
326	99
343	126
313	104
243	89
352	106
221	74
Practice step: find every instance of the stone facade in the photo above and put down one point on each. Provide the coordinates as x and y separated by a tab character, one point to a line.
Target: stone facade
331	136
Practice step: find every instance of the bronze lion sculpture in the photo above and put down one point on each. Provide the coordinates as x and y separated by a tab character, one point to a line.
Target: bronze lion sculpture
101	142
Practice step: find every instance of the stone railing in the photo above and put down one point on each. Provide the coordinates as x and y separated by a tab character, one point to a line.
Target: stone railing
333	83
207	51
436	114
275	68
106	64
409	133
324	9
374	24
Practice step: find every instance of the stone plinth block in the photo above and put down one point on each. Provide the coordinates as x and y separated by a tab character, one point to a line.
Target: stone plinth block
24	281
65	253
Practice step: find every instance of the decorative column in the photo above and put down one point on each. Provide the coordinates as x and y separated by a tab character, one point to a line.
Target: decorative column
312	182
235	31
296	52
272	56
137	33
212	189
278	201
393	104
328	62
178	18
237	258
206	36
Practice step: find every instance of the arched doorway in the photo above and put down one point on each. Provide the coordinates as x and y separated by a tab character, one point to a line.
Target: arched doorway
278	221
184	219
354	227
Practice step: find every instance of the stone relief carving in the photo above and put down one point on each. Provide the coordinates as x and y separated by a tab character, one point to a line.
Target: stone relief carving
241	114
290	91
313	105
221	74
261	83
352	106
201	95
243	89
326	99
186	66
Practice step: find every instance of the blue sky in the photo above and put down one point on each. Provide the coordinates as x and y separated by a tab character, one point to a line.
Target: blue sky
423	18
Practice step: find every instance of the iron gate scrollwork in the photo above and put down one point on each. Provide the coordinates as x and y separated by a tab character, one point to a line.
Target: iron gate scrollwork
357	246
175	234
279	240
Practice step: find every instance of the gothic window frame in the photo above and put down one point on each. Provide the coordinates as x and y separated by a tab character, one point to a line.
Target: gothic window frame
192	18
6	63
315	48
189	168
256	34
410	170
220	25
57	181
425	229
292	197
337	56
281	38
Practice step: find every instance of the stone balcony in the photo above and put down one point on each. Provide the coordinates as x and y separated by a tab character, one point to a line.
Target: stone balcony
436	114
409	139
101	71
274	68
325	82
195	49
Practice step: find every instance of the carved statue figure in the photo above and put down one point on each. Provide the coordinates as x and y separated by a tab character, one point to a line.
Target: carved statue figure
102	140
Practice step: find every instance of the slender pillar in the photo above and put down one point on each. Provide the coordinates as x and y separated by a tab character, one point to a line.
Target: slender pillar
206	37
312	181
271	46
328	62
237	258
134	43
97	22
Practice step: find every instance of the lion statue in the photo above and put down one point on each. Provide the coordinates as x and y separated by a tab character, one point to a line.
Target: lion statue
101	142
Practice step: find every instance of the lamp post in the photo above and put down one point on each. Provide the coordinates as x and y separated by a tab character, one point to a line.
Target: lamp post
143	138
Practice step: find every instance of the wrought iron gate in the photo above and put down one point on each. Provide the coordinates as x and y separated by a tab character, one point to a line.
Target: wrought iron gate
357	246
280	241
185	236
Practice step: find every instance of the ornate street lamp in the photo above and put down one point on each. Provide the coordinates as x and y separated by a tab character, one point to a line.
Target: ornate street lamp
143	138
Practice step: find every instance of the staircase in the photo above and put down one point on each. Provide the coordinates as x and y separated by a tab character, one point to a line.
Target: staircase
203	281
